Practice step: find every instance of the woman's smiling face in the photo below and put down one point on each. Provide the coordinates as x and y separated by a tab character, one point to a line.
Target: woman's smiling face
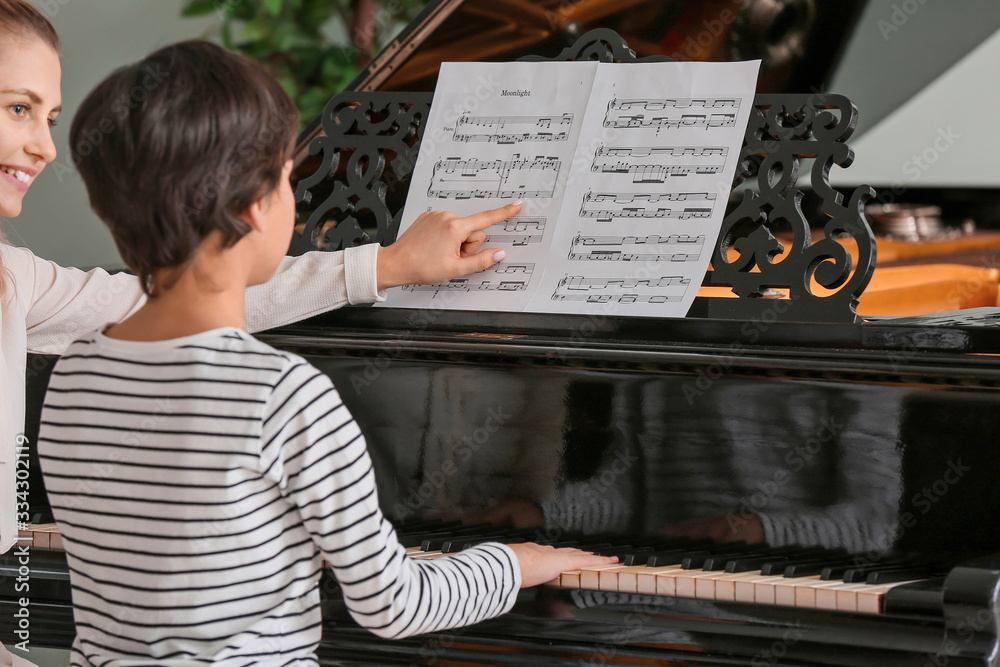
30	100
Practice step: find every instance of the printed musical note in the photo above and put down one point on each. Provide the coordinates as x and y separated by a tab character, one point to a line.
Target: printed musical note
470	285
609	213
670	118
501	179
673	151
654	173
674	103
516	231
656	165
478	284
652	248
651	197
489	128
663	289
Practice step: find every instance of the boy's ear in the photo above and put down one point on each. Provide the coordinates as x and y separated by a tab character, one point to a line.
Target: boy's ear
254	216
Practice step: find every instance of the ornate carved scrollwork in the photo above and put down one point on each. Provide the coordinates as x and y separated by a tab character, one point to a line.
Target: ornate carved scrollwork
353	187
823	280
361	170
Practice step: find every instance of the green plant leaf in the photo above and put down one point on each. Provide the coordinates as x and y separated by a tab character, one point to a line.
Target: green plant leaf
290	38
255	30
198	7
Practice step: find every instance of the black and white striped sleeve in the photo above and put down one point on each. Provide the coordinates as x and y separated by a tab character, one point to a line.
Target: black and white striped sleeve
315	452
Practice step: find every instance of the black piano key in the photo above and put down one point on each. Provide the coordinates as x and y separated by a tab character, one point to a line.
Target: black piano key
893	575
835	571
641	554
426	541
807	568
636	556
859	574
673	557
468	544
721	551
659	556
751	562
698	562
436	541
456	544
620	551
498	535
774	557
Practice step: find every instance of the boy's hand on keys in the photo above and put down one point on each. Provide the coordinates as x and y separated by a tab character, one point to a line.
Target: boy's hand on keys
541	564
440	246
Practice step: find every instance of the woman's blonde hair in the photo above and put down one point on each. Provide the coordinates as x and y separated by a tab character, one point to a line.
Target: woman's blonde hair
20	19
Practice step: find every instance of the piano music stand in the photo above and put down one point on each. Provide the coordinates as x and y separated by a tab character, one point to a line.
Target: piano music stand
379	133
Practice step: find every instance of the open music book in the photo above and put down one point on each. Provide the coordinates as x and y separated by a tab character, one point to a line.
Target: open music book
625	171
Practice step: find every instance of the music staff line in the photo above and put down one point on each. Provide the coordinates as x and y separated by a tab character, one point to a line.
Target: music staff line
458	178
609	214
467	285
640	120
624	290
654	173
489	129
672	248
661	213
479	284
516	231
659	104
652	164
653	151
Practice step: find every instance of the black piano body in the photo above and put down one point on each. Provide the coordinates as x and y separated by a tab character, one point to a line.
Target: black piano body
875	439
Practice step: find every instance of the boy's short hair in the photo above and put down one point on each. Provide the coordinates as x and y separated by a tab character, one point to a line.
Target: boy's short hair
178	145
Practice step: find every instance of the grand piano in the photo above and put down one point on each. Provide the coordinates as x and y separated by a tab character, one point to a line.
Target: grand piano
786	479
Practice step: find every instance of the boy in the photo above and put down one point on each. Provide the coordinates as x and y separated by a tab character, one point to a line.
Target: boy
198	475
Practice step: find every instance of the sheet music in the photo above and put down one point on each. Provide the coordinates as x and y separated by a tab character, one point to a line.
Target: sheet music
641	221
496	133
625	170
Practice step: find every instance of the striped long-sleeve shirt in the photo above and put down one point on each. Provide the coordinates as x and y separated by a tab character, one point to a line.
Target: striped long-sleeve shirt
196	483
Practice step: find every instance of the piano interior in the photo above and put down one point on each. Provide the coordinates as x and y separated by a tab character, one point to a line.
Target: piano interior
780	487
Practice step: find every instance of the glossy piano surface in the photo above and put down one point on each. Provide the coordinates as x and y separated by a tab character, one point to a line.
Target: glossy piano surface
878	439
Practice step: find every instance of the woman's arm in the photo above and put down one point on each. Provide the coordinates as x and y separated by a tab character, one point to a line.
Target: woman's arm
63	303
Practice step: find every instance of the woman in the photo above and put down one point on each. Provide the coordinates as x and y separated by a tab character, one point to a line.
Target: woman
45	307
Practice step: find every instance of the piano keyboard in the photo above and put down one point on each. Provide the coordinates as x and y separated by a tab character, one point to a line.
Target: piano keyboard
804	578
40	536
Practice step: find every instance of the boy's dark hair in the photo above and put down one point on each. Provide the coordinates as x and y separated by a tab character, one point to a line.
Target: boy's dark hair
178	145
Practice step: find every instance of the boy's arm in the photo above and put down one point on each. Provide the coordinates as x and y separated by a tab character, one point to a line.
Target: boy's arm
315	451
